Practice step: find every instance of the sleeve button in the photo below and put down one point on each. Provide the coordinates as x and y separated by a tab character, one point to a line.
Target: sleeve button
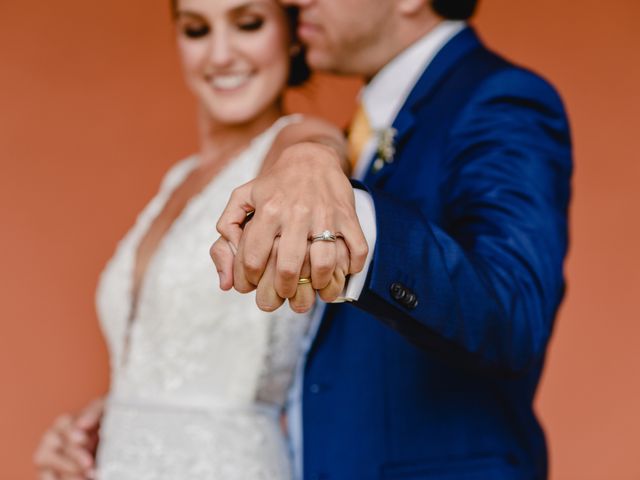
398	291
409	299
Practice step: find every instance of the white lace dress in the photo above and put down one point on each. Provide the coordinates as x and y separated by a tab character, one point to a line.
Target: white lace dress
206	373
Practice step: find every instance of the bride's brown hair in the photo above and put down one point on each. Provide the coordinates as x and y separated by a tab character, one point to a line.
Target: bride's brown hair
299	71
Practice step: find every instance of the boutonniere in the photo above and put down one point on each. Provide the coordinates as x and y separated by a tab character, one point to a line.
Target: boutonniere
385	149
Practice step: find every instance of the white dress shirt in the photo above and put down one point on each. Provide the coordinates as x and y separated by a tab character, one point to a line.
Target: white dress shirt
381	99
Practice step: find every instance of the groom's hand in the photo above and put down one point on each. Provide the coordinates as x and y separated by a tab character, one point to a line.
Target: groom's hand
268	300
304	193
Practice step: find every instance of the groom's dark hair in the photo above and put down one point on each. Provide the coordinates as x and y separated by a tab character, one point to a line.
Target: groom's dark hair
454	9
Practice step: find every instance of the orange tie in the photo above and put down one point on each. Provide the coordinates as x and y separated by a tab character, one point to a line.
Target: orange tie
359	134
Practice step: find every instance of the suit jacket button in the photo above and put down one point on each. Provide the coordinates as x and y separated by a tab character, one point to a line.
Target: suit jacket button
409	299
315	388
398	291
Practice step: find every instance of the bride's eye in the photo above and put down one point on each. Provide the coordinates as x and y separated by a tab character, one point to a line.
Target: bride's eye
196	31
250	23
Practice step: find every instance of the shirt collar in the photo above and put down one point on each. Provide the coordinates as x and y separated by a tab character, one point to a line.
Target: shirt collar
385	94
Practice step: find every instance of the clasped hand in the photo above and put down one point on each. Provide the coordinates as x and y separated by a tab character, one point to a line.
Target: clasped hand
304	193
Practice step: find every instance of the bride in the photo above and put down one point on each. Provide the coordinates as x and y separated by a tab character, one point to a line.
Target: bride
199	377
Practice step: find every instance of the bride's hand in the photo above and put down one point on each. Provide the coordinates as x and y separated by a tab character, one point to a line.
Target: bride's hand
67	449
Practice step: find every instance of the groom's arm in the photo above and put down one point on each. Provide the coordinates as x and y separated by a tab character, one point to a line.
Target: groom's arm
482	286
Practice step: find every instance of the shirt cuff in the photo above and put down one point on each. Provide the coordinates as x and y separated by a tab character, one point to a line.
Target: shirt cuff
366	212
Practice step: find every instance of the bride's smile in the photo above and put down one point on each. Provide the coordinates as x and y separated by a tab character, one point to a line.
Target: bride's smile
235	55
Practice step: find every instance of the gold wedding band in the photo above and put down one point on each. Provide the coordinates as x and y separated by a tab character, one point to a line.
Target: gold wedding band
303	280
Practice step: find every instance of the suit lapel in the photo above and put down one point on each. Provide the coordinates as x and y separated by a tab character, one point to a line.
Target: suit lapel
442	63
436	72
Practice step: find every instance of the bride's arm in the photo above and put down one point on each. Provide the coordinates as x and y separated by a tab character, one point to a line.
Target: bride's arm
309	130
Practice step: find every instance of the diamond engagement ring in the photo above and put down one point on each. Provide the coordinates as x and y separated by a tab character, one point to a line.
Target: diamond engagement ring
326	236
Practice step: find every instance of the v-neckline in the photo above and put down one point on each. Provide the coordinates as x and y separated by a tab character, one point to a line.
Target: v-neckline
135	292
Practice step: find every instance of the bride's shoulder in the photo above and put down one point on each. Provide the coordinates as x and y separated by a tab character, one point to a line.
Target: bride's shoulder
298	128
301	125
178	171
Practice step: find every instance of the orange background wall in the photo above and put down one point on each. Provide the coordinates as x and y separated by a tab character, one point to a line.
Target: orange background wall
93	111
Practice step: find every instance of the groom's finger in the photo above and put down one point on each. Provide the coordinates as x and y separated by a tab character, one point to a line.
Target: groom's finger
305	295
266	297
240	281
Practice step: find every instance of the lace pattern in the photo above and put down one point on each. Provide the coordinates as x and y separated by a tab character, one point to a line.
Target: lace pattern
189	444
188	401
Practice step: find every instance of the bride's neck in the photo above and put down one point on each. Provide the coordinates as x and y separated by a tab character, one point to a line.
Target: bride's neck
218	140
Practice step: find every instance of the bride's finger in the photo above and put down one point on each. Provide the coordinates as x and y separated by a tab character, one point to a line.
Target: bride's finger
222	255
234	215
81	456
57	462
63	422
89	418
73	477
47	475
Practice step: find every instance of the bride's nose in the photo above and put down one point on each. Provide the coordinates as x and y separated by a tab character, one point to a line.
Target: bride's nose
221	47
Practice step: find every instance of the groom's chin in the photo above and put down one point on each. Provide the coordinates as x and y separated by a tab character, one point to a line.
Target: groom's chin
321	61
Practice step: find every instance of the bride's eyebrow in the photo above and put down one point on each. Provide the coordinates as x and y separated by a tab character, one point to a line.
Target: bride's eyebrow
251	6
189	15
237	10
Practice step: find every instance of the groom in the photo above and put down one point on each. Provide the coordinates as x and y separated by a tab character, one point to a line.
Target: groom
465	163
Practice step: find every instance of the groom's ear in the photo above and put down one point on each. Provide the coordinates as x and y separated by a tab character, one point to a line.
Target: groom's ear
413	7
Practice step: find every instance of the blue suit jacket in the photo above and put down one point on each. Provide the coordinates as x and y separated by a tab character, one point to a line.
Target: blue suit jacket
432	373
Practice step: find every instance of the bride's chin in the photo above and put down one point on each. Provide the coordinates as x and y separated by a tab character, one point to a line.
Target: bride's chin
231	119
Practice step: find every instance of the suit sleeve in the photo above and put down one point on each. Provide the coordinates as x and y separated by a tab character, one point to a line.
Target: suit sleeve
488	277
